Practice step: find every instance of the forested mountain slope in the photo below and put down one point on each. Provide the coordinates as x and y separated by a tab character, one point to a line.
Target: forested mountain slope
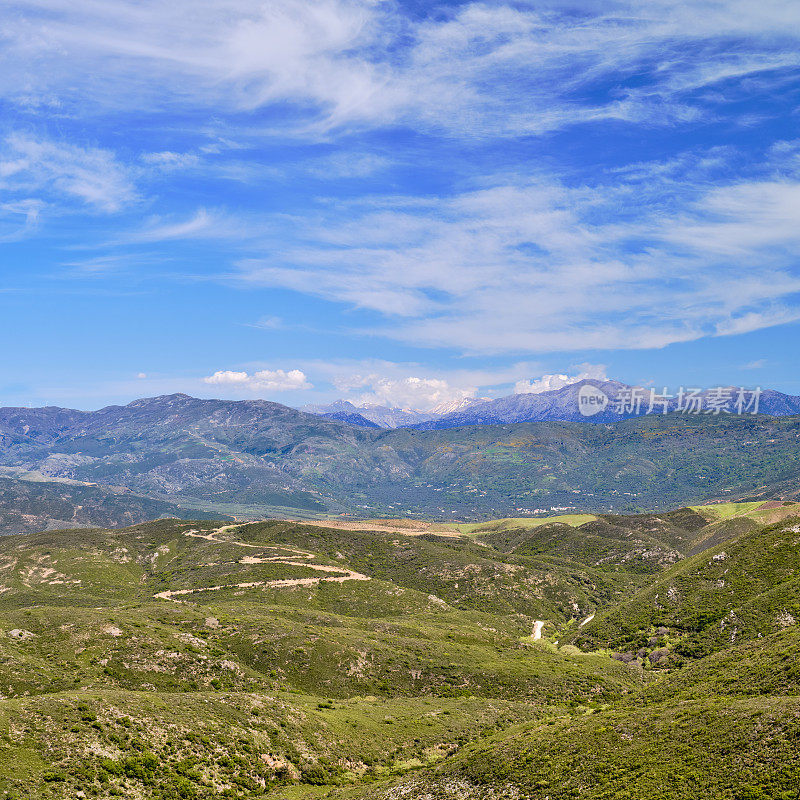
256	459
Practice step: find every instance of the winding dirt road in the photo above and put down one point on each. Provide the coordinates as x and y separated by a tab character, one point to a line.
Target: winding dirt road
342	573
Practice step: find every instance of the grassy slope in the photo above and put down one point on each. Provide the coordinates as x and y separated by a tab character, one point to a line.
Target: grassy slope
738	590
107	689
509	523
722	511
421	682
726	726
733	749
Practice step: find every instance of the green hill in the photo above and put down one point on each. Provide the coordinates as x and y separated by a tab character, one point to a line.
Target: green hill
33	504
744	588
177	659
171	659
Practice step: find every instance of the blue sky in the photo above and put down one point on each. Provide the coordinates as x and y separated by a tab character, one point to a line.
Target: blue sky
396	202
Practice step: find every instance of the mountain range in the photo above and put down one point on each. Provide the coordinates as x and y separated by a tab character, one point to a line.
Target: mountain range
372	415
558	405
180	456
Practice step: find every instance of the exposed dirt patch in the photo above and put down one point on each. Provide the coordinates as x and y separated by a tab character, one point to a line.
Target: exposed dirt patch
403	527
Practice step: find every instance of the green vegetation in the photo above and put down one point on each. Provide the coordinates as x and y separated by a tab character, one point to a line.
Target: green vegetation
32	503
513	523
110	689
196	659
721	511
739	748
735	591
253	460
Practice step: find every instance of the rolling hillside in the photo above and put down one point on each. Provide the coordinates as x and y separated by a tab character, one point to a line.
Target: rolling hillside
192	659
392	660
34	504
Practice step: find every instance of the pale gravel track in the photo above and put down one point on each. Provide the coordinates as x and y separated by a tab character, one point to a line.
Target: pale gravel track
344	573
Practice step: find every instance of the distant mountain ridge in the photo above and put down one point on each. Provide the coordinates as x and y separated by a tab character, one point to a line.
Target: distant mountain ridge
557	405
454	406
378	415
255	459
624	401
372	414
351	418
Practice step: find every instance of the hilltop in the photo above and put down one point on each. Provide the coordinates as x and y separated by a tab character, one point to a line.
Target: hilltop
389	659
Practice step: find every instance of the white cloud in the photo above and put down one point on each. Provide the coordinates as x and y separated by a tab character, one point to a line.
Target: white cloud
736	219
18	218
265	380
548	383
102	266
756	320
409	384
90	174
203	224
347	164
267	323
537	266
420	394
517	263
194	227
463	68
234	54
167	160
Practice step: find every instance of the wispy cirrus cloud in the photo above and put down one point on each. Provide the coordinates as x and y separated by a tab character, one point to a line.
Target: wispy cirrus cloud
541	266
167	160
229	53
463	68
91	175
202	224
19	218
